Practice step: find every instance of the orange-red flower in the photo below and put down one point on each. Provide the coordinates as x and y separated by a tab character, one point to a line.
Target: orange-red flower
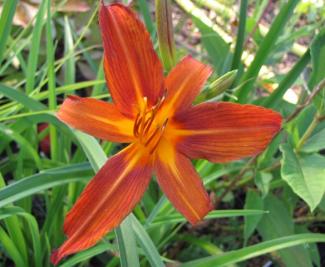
155	115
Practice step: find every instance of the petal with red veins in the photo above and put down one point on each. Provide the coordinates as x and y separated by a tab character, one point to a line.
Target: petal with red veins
106	201
97	118
181	183
184	83
222	132
132	68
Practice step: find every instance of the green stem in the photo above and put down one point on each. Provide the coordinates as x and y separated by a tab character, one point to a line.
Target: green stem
308	132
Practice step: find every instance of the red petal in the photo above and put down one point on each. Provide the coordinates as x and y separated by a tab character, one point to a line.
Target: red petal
222	132
107	200
132	68
184	83
96	118
181	183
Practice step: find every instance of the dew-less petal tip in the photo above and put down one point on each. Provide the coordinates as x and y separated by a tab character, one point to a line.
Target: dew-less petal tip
181	183
132	67
107	200
222	132
184	83
98	118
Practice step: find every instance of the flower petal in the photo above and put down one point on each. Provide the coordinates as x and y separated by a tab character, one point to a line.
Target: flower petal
97	118
132	68
184	83
181	183
107	200
223	132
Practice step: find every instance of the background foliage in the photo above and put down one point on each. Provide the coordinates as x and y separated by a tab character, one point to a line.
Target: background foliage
270	209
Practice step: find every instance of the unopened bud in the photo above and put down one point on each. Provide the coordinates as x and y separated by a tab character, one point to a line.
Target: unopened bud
217	87
165	33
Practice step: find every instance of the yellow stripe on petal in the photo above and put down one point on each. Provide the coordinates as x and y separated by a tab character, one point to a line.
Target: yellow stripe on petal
96	118
132	68
222	132
181	183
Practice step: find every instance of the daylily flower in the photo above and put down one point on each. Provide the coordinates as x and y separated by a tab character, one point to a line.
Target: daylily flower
165	131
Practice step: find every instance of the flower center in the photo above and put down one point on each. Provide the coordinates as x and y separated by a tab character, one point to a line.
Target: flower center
148	130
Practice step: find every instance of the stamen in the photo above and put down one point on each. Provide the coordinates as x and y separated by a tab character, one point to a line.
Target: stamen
152	136
136	125
162	129
144	121
148	123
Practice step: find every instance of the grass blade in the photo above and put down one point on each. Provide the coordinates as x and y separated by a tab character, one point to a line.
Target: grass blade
7	15
256	250
11	249
33	227
44	180
51	81
146	243
240	35
21	98
35	47
275	98
178	218
264	50
126	243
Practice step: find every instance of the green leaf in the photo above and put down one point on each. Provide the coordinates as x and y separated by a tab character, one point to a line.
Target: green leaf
88	254
265	49
11	249
278	223
23	143
146	243
21	98
51	81
256	250
236	61
44	180
177	218
275	97
14	229
33	227
304	175
317	51
315	143
216	47
126	244
35	47
262	181
252	201
7	15
144	9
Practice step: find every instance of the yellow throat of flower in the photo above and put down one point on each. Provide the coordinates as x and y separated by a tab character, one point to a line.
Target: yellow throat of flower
147	129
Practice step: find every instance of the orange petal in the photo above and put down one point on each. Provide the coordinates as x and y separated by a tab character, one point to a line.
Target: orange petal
181	183
184	83
132	68
107	200
222	132
96	118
